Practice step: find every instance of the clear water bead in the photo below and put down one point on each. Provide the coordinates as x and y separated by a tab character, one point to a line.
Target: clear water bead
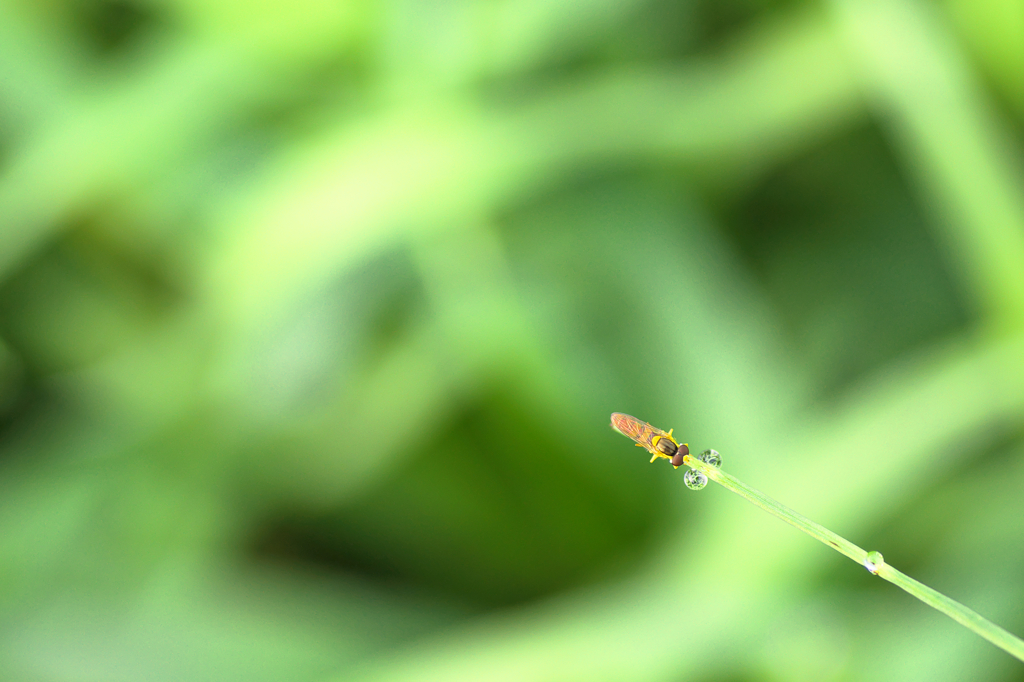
873	562
694	479
711	457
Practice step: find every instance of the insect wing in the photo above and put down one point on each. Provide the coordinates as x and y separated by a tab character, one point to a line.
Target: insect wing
640	431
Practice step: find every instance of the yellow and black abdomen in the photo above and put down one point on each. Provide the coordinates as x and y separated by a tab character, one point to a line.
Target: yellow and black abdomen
651	438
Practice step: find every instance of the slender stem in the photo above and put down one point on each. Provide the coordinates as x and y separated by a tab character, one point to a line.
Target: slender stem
873	561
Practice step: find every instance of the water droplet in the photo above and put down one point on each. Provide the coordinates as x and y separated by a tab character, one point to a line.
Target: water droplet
711	457
873	562
694	479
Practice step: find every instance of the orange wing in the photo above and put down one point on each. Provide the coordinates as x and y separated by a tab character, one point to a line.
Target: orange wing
638	430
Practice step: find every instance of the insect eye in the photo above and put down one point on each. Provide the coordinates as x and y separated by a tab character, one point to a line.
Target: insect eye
666	447
677	459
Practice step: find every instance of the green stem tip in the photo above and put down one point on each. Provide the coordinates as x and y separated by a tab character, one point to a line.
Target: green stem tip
872	561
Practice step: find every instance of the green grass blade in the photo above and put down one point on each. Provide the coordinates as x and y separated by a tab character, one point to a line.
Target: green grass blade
873	561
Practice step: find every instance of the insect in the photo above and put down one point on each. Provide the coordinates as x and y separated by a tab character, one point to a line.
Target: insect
653	439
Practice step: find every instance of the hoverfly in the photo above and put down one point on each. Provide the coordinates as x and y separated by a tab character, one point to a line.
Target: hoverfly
653	439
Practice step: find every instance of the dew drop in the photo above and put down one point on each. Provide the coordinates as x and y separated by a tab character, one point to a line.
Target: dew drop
694	479
711	457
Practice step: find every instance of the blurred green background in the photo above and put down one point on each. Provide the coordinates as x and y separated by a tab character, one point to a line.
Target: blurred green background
312	315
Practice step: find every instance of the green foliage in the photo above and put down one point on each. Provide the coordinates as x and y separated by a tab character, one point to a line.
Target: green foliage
705	468
312	315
